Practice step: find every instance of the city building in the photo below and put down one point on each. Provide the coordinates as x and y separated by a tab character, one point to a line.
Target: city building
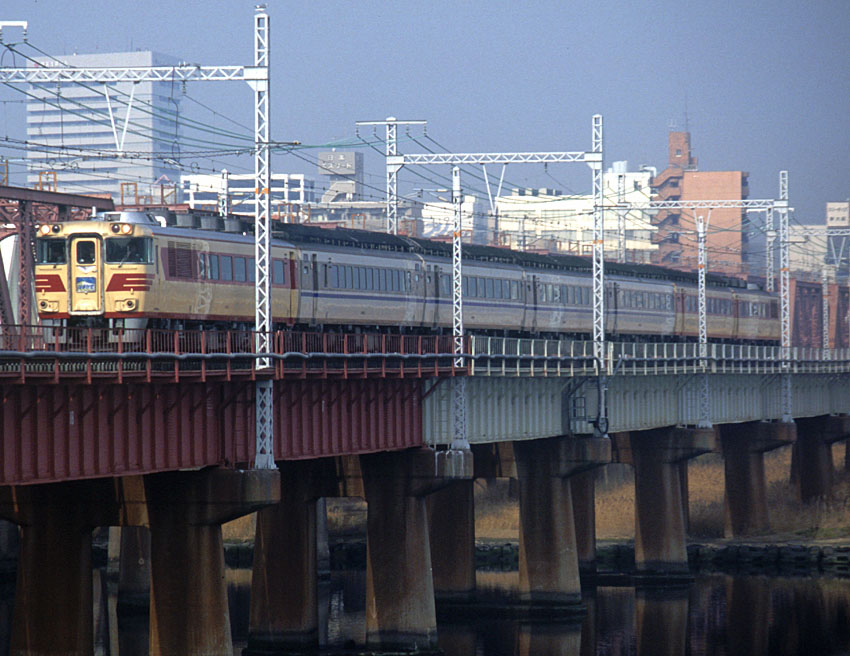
838	245
726	234
807	245
290	194
92	137
546	220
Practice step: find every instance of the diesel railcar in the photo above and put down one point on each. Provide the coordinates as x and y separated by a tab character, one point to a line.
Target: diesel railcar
137	270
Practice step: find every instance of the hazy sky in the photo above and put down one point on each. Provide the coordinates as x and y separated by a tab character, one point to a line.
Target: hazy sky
763	85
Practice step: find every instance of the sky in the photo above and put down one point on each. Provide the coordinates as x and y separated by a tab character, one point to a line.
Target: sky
760	86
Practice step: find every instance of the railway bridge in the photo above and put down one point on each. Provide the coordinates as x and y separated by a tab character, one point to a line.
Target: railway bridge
156	429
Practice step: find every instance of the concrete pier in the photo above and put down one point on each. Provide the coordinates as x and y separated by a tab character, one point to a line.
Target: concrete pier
400	611
660	547
134	568
284	611
583	489
548	554
744	446
451	516
53	612
189	613
811	459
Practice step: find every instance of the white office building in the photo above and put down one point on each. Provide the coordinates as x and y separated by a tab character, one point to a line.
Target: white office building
290	194
547	220
93	137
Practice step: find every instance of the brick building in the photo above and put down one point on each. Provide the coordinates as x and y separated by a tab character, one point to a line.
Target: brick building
726	241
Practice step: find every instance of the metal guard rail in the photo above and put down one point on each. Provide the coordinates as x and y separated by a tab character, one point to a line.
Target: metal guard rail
486	356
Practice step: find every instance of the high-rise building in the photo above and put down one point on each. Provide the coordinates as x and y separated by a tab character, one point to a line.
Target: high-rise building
96	136
726	234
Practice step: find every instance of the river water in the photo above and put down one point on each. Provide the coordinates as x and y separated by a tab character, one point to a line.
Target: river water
717	614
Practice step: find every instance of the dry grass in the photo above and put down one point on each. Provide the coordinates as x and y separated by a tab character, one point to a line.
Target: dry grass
240	529
497	510
497	516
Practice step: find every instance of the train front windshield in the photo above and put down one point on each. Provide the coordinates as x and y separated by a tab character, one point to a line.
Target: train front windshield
128	249
50	251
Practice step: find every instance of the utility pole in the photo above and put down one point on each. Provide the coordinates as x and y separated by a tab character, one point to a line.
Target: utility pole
459	440
770	275
785	296
621	218
825	281
391	123
257	76
595	164
704	398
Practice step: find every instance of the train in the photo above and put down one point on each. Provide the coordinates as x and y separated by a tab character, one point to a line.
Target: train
142	269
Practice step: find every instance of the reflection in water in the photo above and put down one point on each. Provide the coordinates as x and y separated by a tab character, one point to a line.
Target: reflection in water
718	615
661	621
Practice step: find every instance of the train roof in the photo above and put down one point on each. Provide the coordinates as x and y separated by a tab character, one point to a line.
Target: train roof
351	238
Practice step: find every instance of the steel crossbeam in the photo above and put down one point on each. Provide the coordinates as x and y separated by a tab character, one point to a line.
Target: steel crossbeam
489	158
51	74
745	204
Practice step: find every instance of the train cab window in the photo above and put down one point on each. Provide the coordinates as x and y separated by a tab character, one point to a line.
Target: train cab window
407	285
50	251
213	269
226	267
239	269
85	252
278	272
446	285
135	250
202	266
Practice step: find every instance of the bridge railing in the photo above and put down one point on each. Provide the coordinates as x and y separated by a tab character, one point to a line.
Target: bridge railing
506	356
89	350
41	348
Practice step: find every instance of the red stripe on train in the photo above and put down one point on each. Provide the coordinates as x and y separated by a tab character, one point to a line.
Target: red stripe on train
49	283
130	282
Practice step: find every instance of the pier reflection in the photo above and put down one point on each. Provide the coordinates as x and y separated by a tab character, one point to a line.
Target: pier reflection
718	614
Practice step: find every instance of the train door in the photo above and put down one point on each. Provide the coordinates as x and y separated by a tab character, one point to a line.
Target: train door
314	274
736	313
613	303
435	286
532	296
86	275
